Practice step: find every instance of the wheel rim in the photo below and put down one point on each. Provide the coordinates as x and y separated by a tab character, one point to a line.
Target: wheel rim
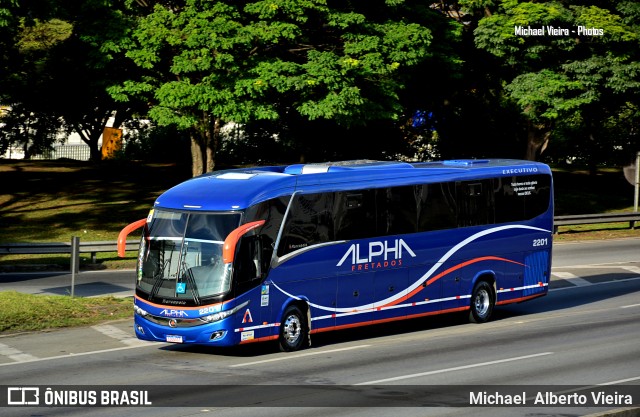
291	330
482	302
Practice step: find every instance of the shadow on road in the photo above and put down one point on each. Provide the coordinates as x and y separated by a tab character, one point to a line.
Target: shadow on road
556	300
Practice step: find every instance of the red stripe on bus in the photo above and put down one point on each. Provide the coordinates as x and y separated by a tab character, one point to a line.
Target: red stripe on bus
520	299
448	271
392	319
259	339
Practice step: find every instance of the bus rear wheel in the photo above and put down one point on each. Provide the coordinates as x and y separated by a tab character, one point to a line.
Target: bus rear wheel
294	330
482	302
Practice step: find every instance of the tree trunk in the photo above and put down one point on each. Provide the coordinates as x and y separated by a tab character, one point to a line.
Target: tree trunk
591	146
26	150
204	144
197	155
119	116
537	140
593	163
213	139
91	138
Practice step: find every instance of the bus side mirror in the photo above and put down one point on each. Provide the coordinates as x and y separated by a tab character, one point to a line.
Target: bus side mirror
230	243
122	237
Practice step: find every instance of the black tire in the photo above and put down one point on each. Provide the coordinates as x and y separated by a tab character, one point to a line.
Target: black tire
294	330
483	300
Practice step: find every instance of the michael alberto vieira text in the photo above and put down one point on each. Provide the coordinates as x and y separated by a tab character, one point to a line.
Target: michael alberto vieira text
593	398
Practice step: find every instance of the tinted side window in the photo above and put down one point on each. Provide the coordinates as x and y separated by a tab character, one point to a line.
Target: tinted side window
354	215
272	211
309	222
509	207
437	206
522	197
538	202
397	210
475	203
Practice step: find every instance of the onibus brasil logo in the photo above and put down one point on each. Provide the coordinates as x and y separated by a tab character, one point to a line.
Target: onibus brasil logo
376	255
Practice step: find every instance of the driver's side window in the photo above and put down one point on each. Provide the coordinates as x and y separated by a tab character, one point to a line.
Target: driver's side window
250	260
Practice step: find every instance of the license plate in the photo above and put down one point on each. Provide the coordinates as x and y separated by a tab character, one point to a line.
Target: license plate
174	339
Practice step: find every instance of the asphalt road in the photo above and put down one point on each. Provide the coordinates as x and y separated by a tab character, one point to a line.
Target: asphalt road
586	332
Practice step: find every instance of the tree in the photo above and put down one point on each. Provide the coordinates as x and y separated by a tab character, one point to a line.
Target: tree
60	58
209	62
584	72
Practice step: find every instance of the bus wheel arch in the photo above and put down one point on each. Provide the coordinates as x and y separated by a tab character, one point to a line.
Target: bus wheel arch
295	329
483	299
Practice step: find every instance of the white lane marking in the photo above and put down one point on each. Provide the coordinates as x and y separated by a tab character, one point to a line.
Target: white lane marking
564	275
115	333
597	283
93	352
621	381
572	278
591	387
302	355
15	354
457	368
631	305
594	266
634	269
579	282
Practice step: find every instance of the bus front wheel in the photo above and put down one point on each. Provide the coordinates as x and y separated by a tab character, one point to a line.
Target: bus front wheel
294	330
482	302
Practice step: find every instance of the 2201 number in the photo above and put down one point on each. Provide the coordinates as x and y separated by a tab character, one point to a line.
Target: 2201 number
540	242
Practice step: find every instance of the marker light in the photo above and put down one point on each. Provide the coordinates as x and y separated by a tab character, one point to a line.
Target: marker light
224	314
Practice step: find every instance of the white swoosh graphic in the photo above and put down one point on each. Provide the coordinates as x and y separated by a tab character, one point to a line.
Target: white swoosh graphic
422	279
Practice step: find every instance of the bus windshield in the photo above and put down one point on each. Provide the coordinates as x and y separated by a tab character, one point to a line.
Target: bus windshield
181	255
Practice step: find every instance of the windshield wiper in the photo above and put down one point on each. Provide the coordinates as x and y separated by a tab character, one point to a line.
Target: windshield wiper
192	286
157	281
159	276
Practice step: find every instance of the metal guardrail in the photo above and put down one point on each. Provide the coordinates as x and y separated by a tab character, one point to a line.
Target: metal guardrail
73	248
577	219
132	245
60	247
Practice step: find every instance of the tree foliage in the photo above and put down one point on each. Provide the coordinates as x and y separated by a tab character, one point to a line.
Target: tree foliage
213	62
326	79
59	58
584	74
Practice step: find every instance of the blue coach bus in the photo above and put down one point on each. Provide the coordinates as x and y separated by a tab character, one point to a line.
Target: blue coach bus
281	253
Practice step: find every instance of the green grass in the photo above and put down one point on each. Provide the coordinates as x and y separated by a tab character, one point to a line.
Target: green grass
577	192
51	201
27	312
45	201
596	232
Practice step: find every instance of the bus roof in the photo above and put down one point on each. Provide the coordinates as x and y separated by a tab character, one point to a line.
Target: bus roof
237	189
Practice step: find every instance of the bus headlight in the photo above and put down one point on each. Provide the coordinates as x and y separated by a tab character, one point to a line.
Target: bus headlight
139	311
224	314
